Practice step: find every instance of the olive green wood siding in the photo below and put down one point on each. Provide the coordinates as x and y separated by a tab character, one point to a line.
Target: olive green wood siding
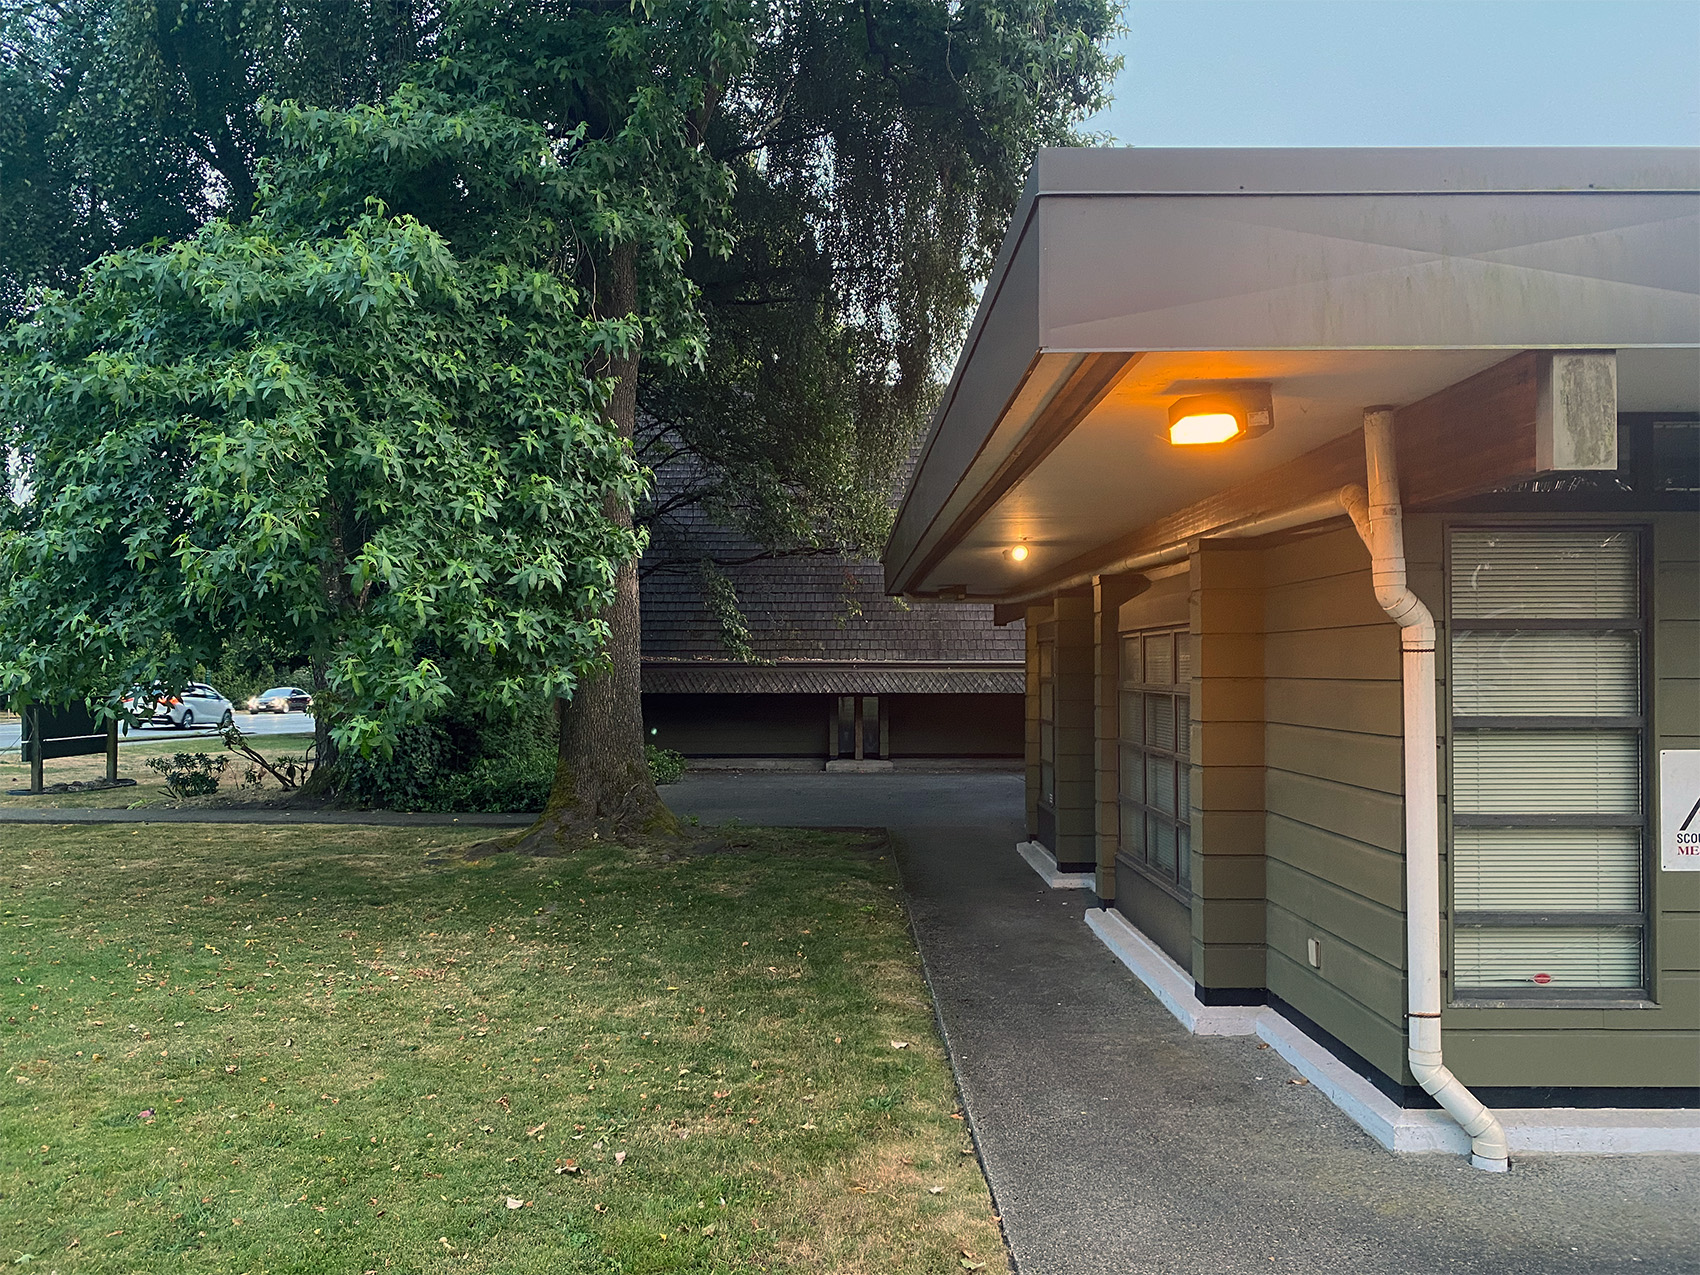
1035	617
1075	811
1108	596
1228	868
1653	1045
1333	822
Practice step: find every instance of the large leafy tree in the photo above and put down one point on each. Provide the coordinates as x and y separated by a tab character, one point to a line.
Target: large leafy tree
125	121
877	149
858	160
639	87
379	435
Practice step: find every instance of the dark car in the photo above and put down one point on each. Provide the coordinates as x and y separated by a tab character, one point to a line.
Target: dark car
281	699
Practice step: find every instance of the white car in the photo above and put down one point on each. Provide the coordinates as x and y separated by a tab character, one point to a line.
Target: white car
197	705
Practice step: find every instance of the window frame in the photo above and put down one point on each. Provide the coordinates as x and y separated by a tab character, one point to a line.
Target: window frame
1176	885
1632	996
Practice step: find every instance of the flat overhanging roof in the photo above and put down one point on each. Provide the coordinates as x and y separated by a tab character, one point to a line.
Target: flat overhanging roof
1344	277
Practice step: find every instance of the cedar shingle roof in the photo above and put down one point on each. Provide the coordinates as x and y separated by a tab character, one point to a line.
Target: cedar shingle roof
817	625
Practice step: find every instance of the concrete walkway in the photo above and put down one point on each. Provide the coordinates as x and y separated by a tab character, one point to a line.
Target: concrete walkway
1117	1143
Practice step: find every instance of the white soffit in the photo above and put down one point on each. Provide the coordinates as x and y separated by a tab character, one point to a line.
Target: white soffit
1117	471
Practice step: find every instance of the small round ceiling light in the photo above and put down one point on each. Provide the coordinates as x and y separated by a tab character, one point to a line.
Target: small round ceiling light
1018	553
1242	411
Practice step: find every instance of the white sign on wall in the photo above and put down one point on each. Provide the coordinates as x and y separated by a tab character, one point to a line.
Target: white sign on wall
1679	809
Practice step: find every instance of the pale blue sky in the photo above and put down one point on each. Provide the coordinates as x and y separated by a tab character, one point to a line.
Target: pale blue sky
1408	73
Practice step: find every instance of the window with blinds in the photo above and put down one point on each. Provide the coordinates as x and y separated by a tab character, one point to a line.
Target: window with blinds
1548	747
1155	754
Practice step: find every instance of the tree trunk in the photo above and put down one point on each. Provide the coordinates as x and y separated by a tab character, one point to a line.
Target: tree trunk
603	788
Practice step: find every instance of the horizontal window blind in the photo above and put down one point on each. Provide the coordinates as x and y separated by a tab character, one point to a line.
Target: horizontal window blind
1556	958
1546	869
1160	659
1160	722
1133	715
1548	835
1546	772
1131	666
1542	573
1546	673
1132	776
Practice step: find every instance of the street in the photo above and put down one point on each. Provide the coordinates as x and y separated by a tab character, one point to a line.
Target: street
250	723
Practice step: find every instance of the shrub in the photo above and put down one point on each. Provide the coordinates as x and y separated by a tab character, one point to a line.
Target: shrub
460	761
665	765
190	774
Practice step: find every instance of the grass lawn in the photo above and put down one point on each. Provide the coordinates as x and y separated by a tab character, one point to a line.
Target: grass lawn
357	1050
150	785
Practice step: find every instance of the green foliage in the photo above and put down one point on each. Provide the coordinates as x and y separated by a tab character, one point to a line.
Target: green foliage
123	121
878	150
189	774
334	428
460	760
720	596
665	765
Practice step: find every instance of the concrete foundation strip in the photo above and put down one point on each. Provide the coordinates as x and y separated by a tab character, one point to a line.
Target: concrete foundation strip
1530	1131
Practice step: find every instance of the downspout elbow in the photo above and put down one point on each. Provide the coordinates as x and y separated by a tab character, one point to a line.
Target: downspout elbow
1380	528
1488	1147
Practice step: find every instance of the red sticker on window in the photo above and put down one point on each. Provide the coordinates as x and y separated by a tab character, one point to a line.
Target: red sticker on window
1542	979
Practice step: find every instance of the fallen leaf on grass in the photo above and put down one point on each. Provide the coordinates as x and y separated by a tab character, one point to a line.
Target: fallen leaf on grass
619	1157
935	1190
532	1133
515	1204
900	1044
566	1166
972	1266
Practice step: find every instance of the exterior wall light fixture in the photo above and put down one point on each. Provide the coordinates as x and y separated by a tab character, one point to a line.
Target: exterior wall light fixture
1242	411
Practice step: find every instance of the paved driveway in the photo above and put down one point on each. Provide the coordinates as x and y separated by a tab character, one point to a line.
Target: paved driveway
1117	1143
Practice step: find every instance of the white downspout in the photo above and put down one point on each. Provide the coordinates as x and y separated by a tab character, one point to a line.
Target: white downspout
1380	522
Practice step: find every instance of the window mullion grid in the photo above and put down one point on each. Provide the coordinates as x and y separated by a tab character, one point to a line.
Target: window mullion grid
1507	921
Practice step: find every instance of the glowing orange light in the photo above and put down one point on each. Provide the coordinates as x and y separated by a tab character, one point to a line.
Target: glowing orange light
1208	427
1019	553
